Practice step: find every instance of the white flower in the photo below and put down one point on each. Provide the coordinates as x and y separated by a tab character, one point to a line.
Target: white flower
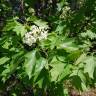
35	33
29	39
43	35
33	27
43	28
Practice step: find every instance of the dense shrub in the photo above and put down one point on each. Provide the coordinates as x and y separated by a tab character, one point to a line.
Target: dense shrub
47	47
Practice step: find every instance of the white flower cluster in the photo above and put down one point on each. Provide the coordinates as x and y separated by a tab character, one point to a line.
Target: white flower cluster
36	33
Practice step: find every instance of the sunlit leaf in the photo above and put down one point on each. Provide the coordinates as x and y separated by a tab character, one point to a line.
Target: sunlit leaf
81	58
3	60
30	62
57	69
33	64
41	23
20	29
90	66
68	45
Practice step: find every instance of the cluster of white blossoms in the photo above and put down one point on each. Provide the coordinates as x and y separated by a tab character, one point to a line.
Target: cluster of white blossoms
36	33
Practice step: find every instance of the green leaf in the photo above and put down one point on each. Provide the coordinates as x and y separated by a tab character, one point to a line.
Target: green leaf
33	63
30	62
57	69
76	81
40	63
73	55
83	79
90	66
68	45
53	38
42	79
60	28
16	60
60	5
50	42
10	25
12	66
41	23
74	73
3	40
4	60
13	25
45	43
80	74
32	18
6	45
5	72
20	29
66	72
81	59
